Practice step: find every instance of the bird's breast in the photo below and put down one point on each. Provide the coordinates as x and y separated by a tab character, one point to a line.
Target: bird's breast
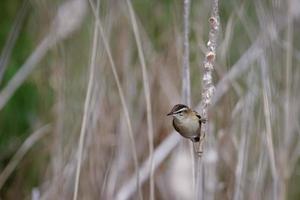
188	127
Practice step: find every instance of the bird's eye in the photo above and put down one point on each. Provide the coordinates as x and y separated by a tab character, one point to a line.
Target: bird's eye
181	114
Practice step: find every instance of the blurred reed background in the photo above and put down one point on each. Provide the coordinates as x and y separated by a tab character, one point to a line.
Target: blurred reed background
79	77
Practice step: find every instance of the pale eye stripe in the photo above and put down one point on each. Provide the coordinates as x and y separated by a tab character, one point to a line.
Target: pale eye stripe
181	110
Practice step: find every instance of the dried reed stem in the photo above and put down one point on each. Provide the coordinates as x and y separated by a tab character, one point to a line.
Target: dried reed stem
263	41
186	82
29	142
269	132
288	135
207	89
288	68
186	77
86	108
208	64
61	28
121	94
147	96
25	70
12	37
160	154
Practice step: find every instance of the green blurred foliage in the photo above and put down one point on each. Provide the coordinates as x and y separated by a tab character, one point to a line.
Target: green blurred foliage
22	107
157	17
22	112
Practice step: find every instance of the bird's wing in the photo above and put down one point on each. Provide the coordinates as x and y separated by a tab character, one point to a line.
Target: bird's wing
201	120
197	114
176	128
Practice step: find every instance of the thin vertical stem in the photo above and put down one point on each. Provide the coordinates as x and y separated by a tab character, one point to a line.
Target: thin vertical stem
208	64
21	152
186	77
207	88
270	145
288	66
269	133
122	98
288	136
86	108
186	83
12	37
147	96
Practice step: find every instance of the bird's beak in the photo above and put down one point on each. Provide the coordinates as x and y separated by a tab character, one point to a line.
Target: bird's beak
170	113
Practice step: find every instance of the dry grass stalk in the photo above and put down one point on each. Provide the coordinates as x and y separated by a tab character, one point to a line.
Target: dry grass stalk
25	147
147	96
12	37
207	90
121	94
87	110
61	28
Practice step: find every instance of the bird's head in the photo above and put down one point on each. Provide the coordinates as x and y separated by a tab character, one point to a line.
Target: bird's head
179	111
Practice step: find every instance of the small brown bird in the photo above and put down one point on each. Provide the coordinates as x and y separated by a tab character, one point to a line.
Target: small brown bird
187	122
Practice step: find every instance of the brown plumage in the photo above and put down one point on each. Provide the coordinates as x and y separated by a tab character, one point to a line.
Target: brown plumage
187	122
